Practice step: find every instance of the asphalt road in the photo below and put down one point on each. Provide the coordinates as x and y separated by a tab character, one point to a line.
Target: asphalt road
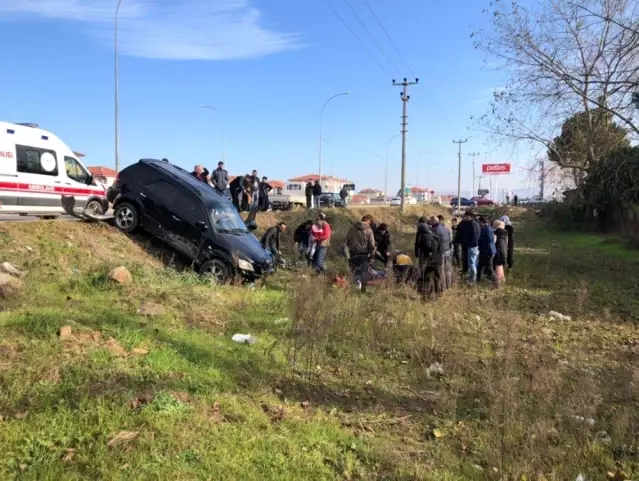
19	218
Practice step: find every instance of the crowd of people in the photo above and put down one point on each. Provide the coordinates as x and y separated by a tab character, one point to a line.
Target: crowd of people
479	246
245	191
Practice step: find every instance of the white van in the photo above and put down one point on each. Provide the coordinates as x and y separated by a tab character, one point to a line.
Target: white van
37	169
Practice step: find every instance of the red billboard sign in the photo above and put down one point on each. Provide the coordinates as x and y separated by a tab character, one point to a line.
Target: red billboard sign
494	169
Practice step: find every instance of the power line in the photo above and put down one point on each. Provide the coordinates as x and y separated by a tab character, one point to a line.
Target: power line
361	22
359	40
388	37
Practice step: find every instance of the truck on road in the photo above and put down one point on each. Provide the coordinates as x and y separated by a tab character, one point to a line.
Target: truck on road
292	196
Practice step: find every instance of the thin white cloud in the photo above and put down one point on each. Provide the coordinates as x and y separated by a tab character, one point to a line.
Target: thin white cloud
168	29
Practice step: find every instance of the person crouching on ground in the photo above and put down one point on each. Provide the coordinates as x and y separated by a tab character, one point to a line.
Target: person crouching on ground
302	239
271	241
501	250
321	233
486	251
383	243
360	245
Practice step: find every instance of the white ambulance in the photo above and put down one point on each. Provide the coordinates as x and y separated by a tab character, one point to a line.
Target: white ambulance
37	169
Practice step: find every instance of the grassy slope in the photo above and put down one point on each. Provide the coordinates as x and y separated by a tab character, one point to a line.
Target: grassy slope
336	387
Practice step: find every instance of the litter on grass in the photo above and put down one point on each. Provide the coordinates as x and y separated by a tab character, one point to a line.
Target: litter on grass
244	339
559	316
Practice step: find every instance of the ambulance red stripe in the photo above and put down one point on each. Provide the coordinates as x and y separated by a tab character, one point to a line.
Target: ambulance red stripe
49	189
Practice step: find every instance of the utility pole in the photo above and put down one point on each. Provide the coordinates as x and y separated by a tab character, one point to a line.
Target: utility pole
459	157
405	98
473	155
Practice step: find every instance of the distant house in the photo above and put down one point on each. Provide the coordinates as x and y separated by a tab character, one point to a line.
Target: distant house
421	194
371	193
329	183
102	174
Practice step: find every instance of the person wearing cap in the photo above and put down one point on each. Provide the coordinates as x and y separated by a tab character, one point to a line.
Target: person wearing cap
321	233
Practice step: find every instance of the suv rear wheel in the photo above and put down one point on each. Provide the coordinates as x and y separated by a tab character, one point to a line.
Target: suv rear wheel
217	270
126	217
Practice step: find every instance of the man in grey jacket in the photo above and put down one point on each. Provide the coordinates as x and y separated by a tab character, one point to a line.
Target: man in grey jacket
220	178
445	242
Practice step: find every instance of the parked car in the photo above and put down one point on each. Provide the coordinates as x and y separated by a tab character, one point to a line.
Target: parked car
293	195
483	201
331	200
464	202
191	217
408	201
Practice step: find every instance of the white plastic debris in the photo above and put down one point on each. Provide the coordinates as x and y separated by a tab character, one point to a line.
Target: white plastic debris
603	437
589	421
244	339
435	369
581	477
559	316
10	269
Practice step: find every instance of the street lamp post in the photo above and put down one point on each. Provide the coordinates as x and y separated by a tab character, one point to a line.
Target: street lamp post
221	126
116	88
386	173
322	130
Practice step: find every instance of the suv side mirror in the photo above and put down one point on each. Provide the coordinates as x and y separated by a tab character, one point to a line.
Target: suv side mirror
251	225
201	225
90	180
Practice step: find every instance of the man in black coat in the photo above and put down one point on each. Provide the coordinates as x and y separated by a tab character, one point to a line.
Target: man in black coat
237	187
317	193
428	251
309	195
271	240
265	188
302	239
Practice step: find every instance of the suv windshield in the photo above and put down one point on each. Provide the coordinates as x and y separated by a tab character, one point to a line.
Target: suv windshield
225	218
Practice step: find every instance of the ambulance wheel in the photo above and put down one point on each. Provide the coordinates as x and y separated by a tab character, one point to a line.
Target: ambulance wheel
94	208
126	217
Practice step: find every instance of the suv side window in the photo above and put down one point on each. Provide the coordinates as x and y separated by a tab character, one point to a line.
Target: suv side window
182	202
75	171
32	160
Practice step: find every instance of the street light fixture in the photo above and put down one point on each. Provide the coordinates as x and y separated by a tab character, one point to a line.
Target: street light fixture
221	126
386	174
322	130
116	88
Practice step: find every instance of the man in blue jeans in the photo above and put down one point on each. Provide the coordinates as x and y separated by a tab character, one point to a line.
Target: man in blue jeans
471	243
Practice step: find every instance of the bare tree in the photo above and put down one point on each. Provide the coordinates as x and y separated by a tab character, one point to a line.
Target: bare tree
562	58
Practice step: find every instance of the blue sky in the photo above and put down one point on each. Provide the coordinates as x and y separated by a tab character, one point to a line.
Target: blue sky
267	67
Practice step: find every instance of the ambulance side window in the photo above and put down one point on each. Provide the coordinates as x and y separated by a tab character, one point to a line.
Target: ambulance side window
75	171
32	160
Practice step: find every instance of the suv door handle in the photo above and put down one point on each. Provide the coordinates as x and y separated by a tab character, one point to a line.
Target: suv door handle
142	195
176	218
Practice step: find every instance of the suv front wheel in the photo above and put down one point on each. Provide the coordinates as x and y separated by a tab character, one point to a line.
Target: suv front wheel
126	217
217	270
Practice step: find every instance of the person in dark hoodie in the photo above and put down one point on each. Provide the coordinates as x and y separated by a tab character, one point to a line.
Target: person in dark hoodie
487	251
220	178
236	187
309	195
468	234
511	241
317	194
271	240
383	243
360	245
265	189
302	239
428	251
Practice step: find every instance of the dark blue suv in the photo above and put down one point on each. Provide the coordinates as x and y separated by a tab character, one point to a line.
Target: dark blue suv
191	217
